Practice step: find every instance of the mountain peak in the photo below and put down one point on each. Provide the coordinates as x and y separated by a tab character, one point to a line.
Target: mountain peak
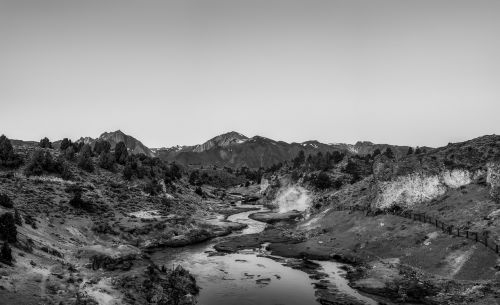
133	145
222	140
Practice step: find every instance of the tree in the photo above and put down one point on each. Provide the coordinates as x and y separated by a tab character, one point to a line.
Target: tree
410	151
418	151
376	152
65	143
107	160
388	153
297	161
354	170
194	177
69	153
41	161
102	146
128	172
45	143
121	152
17	217
322	181
8	230
6	253
85	159
7	156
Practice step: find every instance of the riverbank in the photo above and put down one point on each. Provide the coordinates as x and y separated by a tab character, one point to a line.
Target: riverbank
393	259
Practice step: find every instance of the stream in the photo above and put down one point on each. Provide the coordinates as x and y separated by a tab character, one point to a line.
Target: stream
249	278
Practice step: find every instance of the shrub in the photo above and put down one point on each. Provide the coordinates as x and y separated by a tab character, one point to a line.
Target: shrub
77	201
153	188
45	143
6	253
5	201
8	230
7	156
199	191
322	181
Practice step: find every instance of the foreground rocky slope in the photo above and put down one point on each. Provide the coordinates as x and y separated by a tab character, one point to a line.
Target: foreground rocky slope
84	239
396	259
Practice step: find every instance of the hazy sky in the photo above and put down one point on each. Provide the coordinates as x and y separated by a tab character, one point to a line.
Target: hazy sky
179	72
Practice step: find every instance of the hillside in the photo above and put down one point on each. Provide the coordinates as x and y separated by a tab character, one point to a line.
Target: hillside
445	247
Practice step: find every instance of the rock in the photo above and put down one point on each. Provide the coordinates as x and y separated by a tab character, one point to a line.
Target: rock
271	217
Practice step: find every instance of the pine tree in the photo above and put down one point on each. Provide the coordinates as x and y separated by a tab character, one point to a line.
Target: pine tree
7	156
85	159
45	143
121	153
388	153
410	151
6	253
17	218
65	143
8	230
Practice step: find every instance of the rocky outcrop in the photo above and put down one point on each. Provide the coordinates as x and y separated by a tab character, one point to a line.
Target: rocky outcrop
269	217
493	179
406	191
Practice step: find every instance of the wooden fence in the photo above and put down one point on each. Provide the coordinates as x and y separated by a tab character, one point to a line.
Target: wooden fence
446	228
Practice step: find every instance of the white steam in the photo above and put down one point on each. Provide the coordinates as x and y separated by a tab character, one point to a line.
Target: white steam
292	198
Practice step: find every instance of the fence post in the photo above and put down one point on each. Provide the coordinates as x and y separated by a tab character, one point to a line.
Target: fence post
475	233
467	234
458	232
486	242
496	248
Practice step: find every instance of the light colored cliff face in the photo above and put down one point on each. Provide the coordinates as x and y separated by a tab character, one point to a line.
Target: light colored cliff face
493	179
264	184
406	191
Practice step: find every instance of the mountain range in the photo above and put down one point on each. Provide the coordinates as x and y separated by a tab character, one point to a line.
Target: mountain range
233	149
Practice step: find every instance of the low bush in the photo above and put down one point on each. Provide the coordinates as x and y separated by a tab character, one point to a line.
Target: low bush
5	201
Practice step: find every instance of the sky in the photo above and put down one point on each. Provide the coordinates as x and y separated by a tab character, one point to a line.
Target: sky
403	72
